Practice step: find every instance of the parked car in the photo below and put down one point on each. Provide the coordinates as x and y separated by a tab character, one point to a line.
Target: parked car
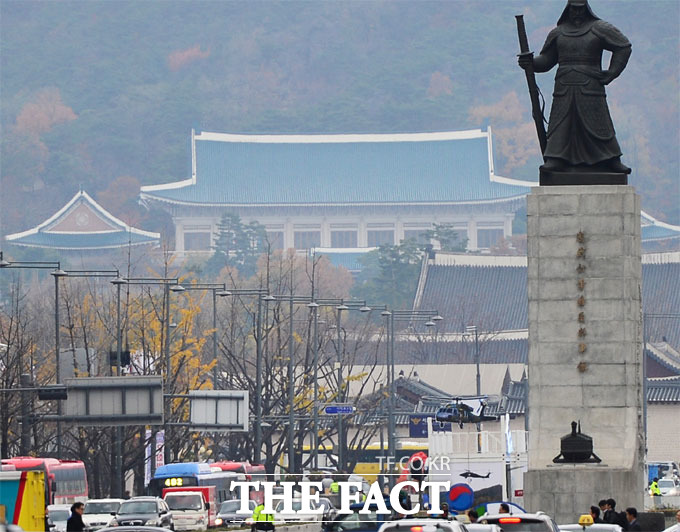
57	515
356	522
97	512
139	528
139	511
521	522
423	525
227	515
597	527
298	516
190	511
666	485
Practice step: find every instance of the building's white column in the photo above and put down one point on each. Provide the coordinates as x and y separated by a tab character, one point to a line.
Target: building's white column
179	236
362	235
325	233
288	234
507	226
398	231
472	234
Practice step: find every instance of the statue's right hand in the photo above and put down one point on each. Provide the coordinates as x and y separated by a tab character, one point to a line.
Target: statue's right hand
526	60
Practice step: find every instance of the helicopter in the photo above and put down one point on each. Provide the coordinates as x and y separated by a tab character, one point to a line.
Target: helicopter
464	410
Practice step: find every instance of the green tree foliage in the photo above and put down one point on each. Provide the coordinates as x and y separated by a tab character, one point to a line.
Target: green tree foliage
238	245
447	237
390	275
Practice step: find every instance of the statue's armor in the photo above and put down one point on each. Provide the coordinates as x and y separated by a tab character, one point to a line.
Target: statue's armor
580	129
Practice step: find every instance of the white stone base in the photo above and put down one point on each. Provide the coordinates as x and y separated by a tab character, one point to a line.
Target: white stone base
565	492
585	342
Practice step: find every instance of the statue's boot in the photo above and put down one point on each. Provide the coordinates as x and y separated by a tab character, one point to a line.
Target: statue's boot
615	165
552	164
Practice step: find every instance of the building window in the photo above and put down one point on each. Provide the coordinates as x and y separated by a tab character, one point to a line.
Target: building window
343	239
307	239
487	238
416	234
197	242
275	239
378	238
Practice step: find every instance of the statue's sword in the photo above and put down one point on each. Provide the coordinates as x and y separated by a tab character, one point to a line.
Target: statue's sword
536	111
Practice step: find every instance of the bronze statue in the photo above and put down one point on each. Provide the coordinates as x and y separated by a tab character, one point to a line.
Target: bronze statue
581	137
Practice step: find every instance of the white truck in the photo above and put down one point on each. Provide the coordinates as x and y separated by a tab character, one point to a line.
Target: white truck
190	510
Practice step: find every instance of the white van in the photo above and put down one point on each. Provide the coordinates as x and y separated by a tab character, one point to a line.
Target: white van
189	510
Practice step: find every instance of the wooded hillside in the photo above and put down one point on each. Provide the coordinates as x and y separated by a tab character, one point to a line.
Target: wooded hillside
103	95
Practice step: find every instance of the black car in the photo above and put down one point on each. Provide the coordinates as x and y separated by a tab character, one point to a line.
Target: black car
144	511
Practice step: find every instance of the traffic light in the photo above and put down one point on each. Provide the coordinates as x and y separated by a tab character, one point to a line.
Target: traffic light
52	393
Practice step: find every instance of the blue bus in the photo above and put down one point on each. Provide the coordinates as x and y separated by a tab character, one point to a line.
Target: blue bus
189	474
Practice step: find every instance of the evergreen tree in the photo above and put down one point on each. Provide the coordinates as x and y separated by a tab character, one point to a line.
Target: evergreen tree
238	245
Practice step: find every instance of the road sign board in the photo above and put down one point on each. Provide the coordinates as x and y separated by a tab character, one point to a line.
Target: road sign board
129	400
219	410
339	409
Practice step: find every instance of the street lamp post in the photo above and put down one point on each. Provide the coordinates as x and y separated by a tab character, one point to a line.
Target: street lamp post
217	289
262	295
116	435
341	438
56	273
168	284
315	408
472	330
431	318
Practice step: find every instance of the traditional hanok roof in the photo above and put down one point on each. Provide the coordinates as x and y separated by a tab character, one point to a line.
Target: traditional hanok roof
364	169
82	224
664	390
491	292
654	230
482	290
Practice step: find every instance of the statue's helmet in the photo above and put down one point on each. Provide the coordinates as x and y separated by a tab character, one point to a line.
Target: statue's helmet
580	3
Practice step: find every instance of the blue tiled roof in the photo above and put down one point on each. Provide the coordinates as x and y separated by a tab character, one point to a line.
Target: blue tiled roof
79	236
661	302
494	296
492	351
388	171
83	241
655	232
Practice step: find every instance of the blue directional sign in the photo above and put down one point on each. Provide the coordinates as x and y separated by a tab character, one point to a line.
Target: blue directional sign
339	409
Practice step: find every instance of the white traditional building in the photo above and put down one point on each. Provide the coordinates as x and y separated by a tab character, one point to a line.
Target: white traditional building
342	191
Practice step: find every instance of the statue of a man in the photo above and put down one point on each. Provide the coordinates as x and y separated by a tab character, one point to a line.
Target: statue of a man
581	135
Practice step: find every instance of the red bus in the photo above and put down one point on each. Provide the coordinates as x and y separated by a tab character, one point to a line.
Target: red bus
65	480
253	473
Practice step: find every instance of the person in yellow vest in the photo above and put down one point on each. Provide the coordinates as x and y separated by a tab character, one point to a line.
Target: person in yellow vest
335	486
654	487
262	521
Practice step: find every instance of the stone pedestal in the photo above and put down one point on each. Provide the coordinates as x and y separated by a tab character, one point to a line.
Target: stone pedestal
585	346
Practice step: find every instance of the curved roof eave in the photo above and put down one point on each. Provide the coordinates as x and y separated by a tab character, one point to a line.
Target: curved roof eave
152	197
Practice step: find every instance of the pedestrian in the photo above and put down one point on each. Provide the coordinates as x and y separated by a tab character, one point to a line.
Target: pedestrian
603	507
261	520
595	514
75	522
504	509
445	510
654	487
614	517
610	512
631	516
472	515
